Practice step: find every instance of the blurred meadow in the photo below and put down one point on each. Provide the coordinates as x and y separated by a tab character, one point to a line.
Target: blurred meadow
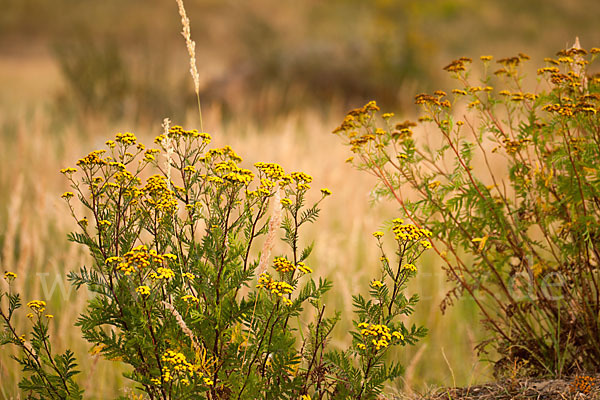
276	79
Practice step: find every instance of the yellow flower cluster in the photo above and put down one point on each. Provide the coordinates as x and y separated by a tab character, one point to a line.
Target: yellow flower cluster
403	131
68	171
225	166
512	146
376	284
163	273
126	138
120	166
190	298
141	258
178	362
37	305
380	336
301	177
304	268
239	175
571	109
409	267
511	62
9	276
357	117
178	367
143	290
149	155
158	195
458	65
282	264
125	178
93	158
275	287
271	170
476	89
302	180
178	131
409	232
226	152
427	99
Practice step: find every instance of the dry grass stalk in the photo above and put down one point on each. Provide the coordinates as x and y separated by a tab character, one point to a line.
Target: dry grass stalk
191	47
12	227
183	326
274	225
168	145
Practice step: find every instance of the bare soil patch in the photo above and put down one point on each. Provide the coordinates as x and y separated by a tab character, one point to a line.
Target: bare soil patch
572	388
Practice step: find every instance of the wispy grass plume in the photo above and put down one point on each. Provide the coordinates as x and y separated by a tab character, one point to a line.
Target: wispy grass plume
274	225
191	47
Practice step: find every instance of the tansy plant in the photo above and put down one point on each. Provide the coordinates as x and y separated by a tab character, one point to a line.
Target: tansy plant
48	376
508	180
182	297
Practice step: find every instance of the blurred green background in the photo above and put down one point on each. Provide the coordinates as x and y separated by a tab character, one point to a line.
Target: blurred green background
266	57
276	78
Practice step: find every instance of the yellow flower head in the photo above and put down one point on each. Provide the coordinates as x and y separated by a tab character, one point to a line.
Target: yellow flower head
304	268
9	276
301	177
409	267
188	298
37	305
378	336
275	287
376	284
126	138
434	185
271	170
165	273
281	264
143	290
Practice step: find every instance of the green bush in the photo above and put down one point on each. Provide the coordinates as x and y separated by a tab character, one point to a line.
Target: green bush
508	180
182	297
